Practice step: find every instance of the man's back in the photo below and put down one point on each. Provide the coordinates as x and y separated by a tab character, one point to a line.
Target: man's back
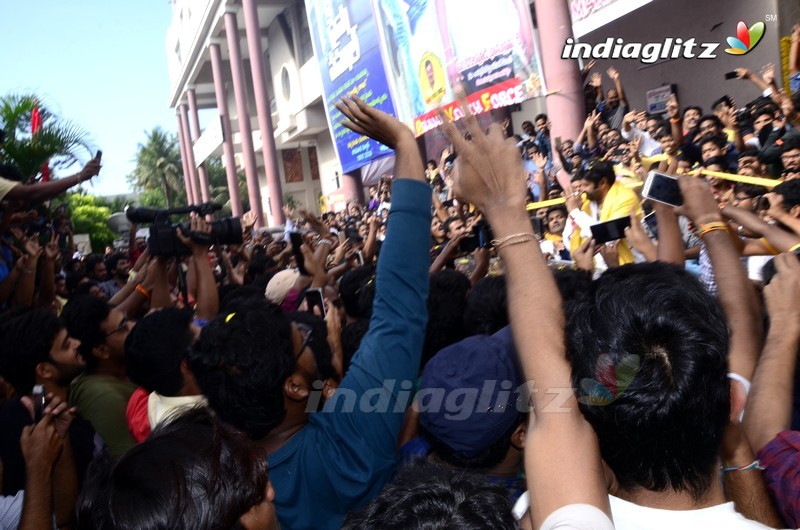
629	516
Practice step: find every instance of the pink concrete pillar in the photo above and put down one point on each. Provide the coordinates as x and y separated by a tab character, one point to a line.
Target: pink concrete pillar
188	145
565	108
194	121
227	132
261	92
243	117
187	180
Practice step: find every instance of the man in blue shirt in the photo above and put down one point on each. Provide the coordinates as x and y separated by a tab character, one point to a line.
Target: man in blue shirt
258	373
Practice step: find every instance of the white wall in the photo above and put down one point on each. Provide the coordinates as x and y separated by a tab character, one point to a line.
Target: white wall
699	82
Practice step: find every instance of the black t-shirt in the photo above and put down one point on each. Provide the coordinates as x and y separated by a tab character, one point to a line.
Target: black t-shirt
13	418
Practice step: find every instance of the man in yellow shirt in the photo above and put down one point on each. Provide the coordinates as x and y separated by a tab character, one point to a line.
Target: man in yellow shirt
605	199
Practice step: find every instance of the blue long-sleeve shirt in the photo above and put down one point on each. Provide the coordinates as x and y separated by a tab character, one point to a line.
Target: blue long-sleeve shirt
345	454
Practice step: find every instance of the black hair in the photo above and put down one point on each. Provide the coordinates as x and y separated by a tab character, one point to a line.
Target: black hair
26	338
192	472
540	117
231	293
487	307
357	291
11	172
790	191
113	260
85	288
666	402
74	280
448	222
573	284
446	302
241	361
83	315
791	143
557	208
710	117
765	109
692	107
92	261
597	172
352	334
749	151
751	190
661	133
424	495
721	161
155	349
718	140
724	100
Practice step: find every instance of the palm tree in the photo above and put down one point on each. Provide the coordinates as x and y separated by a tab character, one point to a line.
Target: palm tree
58	142
158	168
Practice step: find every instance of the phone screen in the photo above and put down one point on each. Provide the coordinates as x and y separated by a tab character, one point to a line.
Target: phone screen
663	188
610	230
297	241
314	299
538	225
38	403
469	243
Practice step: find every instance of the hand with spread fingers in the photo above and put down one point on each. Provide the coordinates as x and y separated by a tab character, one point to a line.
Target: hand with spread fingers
374	123
490	175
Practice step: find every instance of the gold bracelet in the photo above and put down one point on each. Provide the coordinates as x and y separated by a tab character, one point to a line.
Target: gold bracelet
710	227
515	239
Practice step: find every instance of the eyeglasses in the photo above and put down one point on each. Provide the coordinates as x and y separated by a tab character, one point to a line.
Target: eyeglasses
123	325
306	332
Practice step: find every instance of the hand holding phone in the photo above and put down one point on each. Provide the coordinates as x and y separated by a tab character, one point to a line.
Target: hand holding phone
610	230
297	241
314	299
39	403
663	188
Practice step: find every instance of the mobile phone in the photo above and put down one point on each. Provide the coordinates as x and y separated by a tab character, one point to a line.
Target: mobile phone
297	241
620	151
662	188
652	223
360	256
731	75
342	236
38	403
485	235
469	243
99	155
610	230
314	299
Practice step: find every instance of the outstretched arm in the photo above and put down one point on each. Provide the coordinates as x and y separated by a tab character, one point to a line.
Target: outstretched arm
42	191
562	457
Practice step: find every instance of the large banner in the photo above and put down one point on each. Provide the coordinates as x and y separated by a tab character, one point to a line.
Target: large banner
411	57
431	48
589	15
346	45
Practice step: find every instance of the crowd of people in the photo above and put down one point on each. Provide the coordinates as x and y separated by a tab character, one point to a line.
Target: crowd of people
457	351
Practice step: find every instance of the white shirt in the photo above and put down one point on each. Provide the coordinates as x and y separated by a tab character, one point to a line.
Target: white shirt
629	516
648	147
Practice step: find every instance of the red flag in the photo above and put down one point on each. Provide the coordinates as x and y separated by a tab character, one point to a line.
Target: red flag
36	124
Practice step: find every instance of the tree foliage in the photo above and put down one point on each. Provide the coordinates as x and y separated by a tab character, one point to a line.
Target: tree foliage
158	170
89	215
58	142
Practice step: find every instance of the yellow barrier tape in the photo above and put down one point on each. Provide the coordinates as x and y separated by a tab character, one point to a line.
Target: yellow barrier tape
756	181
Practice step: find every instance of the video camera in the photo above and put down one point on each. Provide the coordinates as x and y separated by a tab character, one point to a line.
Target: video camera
163	239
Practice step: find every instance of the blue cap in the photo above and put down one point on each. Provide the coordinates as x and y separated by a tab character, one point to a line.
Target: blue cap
469	393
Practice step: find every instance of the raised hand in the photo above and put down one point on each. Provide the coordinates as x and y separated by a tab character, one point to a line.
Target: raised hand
490	173
199	237
584	255
51	250
596	80
91	169
742	73
699	204
249	219
782	295
540	160
374	123
613	74
673	108
768	73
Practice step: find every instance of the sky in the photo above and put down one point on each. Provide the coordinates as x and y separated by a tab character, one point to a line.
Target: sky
98	63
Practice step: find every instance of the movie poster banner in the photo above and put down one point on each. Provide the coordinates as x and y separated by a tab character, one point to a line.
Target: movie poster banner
434	49
345	39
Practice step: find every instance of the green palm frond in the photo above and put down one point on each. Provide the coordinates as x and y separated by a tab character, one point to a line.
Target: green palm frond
59	142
